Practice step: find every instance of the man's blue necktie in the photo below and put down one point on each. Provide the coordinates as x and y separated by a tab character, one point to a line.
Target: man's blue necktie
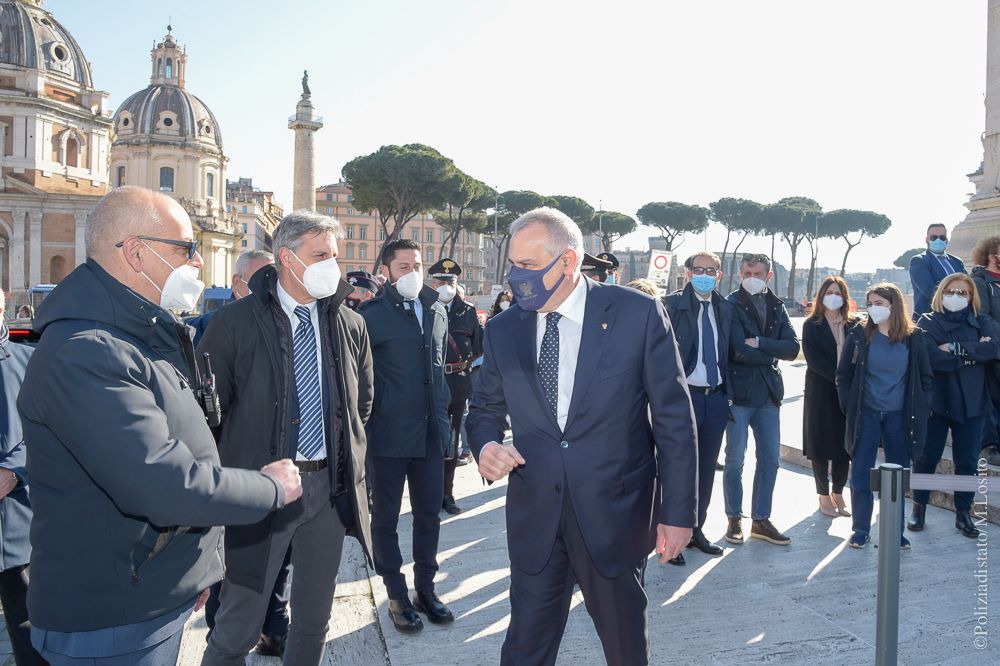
307	386
548	362
708	352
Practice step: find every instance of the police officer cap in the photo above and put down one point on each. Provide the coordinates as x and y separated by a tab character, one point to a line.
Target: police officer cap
610	258
592	263
445	269
362	279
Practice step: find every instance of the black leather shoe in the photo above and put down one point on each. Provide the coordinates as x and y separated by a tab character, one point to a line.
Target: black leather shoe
915	522
450	506
699	541
678	561
964	524
404	616
271	646
429	604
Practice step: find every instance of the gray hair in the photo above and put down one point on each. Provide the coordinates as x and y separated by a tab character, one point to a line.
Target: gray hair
122	212
561	232
297	224
243	261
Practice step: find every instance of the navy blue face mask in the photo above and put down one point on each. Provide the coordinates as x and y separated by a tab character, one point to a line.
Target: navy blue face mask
529	286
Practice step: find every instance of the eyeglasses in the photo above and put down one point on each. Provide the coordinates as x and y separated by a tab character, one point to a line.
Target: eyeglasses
711	272
956	292
943	237
192	246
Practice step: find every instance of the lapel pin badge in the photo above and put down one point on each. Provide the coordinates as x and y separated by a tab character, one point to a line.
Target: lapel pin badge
604	326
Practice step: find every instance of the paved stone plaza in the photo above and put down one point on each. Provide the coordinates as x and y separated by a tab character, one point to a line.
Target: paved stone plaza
812	602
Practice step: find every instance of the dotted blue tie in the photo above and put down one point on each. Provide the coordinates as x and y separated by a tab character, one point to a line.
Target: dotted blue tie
307	386
548	362
708	351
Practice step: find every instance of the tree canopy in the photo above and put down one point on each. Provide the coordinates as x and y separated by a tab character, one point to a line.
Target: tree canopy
903	260
843	222
674	219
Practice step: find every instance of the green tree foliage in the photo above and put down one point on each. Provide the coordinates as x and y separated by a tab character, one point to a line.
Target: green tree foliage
845	222
610	226
467	201
398	183
788	219
512	205
673	219
740	217
903	260
576	208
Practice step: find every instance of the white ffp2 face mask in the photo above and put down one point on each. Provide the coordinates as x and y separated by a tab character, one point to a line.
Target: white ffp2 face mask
182	289
954	303
753	285
410	284
879	313
321	279
833	301
446	293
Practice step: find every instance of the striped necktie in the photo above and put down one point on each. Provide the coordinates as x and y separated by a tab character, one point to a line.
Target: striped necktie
307	387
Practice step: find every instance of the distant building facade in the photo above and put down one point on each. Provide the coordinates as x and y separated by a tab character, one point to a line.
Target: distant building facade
257	214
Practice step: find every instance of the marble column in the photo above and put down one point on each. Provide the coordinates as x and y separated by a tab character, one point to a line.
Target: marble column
81	238
16	283
306	124
34	219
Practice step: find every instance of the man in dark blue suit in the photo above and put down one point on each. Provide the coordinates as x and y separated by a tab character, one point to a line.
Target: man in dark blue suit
603	460
928	269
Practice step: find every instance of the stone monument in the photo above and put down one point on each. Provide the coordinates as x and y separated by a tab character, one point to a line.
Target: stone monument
305	123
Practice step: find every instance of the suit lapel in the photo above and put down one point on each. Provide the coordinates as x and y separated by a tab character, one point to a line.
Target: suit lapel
598	323
527	352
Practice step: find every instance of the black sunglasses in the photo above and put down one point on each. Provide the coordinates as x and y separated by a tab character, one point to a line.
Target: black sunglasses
192	246
943	237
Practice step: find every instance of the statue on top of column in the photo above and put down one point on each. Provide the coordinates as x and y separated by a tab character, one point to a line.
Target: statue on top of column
305	82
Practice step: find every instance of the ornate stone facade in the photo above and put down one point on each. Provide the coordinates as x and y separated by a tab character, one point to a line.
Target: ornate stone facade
55	131
167	139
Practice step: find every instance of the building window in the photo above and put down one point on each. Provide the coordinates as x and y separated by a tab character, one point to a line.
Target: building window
430	235
362	251
120	177
350	198
468	237
244	228
416	235
210	185
329	197
429	255
329	210
243	209
363	232
350	231
350	251
229	208
166	179
243	243
350	211
170	68
381	234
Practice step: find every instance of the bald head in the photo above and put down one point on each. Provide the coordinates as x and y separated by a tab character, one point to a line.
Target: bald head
128	211
137	236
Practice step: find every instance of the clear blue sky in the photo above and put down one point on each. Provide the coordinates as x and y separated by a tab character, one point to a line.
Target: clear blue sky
858	104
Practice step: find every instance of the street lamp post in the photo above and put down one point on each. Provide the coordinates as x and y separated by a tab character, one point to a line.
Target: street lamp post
600	221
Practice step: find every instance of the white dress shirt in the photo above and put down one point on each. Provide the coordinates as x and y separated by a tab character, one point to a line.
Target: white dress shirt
418	310
288	304
699	376
570	333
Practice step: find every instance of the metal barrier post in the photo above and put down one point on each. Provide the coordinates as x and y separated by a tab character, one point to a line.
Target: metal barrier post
890	488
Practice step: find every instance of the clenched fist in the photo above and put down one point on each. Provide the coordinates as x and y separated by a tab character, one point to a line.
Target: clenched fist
498	460
286	474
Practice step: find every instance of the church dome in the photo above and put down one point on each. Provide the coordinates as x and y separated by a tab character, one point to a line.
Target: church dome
165	112
30	37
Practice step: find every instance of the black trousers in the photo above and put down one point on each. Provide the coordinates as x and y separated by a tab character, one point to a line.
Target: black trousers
539	604
824	469
13	598
275	624
455	412
425	477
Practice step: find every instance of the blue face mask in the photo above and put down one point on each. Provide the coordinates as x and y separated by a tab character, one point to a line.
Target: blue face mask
703	284
938	246
610	279
529	286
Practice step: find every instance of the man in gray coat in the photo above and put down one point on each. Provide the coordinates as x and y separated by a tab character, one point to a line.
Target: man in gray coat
15	509
127	487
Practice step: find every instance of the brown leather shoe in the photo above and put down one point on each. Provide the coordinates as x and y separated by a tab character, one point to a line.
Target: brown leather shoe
734	534
764	530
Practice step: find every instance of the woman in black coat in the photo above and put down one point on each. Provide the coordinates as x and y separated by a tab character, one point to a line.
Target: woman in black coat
823	423
960	344
884	382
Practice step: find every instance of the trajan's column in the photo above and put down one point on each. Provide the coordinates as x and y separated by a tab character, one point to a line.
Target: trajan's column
305	124
984	206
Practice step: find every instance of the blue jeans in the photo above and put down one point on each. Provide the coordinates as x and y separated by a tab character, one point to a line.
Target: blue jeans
887	428
965	447
767	435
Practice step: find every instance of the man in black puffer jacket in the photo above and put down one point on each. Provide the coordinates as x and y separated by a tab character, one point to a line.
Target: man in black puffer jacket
126	483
